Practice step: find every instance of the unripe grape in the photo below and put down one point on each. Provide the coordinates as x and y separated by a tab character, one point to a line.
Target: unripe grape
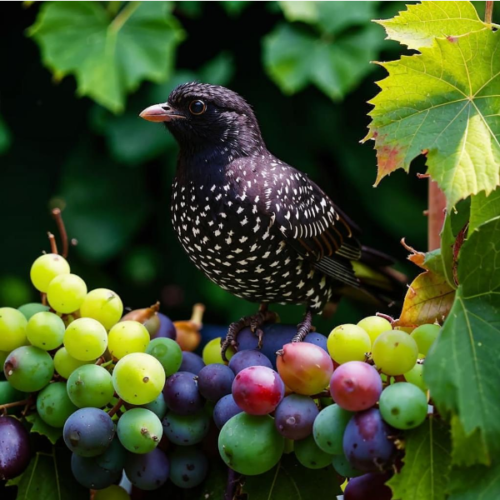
46	268
102	305
348	343
46	330
66	293
12	329
374	326
395	352
425	336
65	364
127	337
85	339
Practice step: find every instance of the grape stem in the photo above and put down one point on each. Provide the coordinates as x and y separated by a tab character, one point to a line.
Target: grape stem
233	479
56	214
115	408
53	244
437	213
488	13
25	402
197	315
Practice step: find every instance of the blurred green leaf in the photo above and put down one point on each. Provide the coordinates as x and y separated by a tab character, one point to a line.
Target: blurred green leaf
300	11
295	59
141	265
190	9
108	56
5	138
218	71
236	7
14	291
475	483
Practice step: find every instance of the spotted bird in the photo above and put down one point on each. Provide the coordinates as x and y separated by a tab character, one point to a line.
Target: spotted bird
253	224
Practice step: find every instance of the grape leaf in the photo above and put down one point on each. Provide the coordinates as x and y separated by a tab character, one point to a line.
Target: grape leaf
235	8
109	56
40	427
5	138
475	483
289	480
295	59
483	208
462	369
418	26
443	102
424	475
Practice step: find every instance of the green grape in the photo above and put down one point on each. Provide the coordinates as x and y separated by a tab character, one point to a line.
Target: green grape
158	406
53	404
343	467
9	394
90	386
403	405
46	268
139	430
127	337
29	368
66	293
211	352
138	378
250	444
85	339
310	455
45	330
374	326
112	492
395	352
329	427
416	377
424	336
102	305
12	329
348	343
65	365
167	352
32	308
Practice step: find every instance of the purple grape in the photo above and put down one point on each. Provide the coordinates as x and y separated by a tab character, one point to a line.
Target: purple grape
182	395
225	409
15	453
186	430
148	471
191	363
245	359
295	416
215	381
188	467
317	339
370	486
91	475
167	328
366	441
88	432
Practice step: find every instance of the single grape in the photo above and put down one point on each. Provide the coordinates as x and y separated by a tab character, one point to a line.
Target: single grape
113	459
167	352
90	385
317	339
29	310
191	363
28	368
366	441
305	368
212	353
167	328
395	352
46	268
158	406
258	390
374	326
215	381
245	359
65	365
15	453
85	339
45	330
139	430
90	474
112	492
66	293
355	386
88	432
310	455
127	337
225	409
250	444
295	416
348	343
370	486
182	395
188	467
425	336
186	430
102	305
343	467
148	471
329	427
403	405
53	404
415	377
12	329
138	378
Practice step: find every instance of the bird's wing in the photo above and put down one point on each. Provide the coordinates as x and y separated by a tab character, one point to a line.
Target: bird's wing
311	223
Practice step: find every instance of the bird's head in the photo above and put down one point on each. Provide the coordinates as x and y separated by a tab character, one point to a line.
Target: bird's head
205	117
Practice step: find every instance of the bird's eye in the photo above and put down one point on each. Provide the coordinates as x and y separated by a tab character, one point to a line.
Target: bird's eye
197	107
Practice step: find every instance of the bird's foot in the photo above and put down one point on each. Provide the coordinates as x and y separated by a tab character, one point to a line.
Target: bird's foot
255	322
304	327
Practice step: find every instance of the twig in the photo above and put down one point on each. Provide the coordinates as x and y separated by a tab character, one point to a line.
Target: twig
488	13
232	481
25	402
53	244
115	408
56	213
437	205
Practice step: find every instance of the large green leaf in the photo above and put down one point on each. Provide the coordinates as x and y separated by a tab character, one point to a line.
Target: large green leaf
484	208
289	480
295	59
420	24
463	369
40	427
443	102
424	475
109	55
476	483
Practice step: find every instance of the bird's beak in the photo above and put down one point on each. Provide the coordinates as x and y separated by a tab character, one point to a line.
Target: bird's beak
161	113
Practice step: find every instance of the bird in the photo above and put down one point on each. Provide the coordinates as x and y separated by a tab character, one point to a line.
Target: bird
252	223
